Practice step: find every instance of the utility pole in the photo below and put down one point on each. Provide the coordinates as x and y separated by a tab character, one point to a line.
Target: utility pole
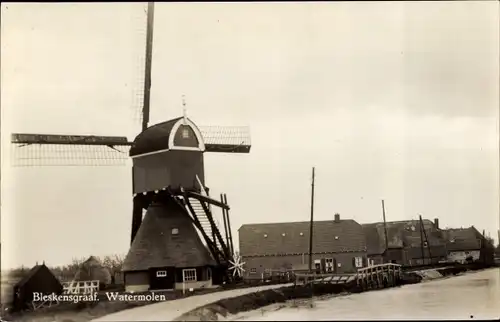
426	239
385	227
311	223
422	240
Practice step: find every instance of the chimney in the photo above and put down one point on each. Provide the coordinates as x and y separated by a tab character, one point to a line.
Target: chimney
337	218
436	222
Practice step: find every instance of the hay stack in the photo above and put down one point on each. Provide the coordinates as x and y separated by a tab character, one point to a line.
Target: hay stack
92	269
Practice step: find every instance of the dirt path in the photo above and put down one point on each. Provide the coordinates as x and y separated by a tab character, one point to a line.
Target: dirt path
168	311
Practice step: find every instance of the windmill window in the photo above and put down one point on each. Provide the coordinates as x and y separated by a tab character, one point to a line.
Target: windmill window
161	273
253	270
185	133
301	234
175	231
265	235
336	237
283	234
189	275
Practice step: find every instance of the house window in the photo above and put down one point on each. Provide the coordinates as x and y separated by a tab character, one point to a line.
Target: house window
267	270
253	270
339	265
161	273
358	262
175	231
185	133
329	264
189	275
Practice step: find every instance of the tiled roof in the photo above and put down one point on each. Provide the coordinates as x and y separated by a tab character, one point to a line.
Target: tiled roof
156	245
293	238
462	239
400	234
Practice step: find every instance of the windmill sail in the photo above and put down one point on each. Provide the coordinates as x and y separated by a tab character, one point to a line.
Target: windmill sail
226	138
90	150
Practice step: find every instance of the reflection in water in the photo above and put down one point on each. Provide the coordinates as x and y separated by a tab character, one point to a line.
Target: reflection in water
470	296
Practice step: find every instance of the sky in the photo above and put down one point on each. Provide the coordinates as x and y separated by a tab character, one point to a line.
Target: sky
396	101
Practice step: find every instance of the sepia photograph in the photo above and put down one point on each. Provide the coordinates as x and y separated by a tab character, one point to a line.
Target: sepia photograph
255	161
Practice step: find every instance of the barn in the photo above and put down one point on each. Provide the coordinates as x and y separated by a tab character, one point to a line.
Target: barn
404	242
339	246
464	243
38	280
167	252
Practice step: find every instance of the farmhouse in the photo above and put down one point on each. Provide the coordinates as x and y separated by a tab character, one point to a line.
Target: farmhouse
405	242
467	244
338	246
167	253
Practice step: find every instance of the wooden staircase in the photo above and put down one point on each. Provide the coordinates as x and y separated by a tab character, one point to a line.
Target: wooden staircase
210	230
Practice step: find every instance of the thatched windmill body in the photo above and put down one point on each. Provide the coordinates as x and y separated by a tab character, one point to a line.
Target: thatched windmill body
177	242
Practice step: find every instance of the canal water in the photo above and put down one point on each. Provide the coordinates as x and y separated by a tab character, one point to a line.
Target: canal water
474	295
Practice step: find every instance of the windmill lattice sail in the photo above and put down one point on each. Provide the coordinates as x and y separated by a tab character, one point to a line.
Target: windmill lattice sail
68	150
226	138
91	150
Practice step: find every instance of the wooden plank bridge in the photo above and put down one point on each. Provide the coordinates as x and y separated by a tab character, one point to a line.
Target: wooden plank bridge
371	277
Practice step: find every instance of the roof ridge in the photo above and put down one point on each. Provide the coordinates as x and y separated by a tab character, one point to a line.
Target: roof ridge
298	222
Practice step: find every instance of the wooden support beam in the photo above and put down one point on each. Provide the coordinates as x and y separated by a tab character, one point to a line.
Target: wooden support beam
229	226
216	232
206	199
225	222
136	217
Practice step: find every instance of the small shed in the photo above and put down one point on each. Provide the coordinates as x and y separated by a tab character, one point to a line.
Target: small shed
92	269
38	280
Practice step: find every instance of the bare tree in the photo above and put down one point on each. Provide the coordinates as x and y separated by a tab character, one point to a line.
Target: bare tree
114	264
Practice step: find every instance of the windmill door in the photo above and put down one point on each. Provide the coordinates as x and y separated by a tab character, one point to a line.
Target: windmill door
162	278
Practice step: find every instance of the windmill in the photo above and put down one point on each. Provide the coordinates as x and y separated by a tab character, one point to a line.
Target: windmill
178	240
